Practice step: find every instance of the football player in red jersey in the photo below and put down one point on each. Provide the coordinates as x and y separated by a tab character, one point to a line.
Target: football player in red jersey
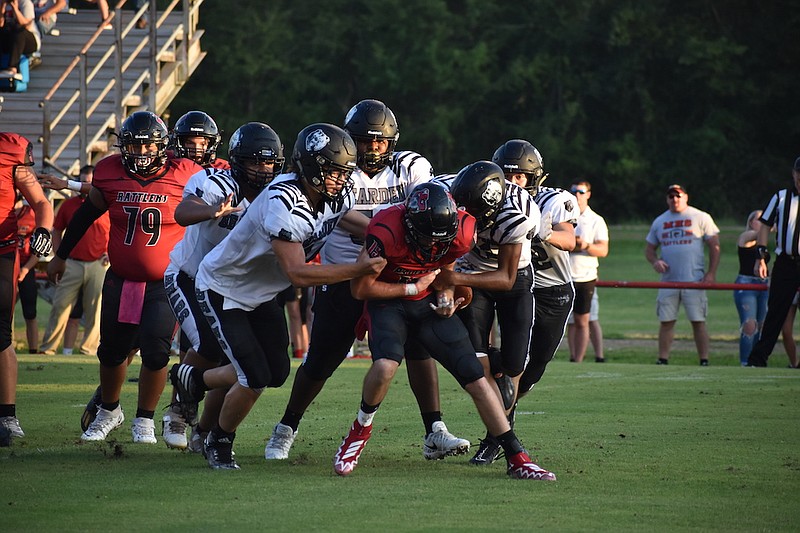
16	158
140	188
418	239
196	137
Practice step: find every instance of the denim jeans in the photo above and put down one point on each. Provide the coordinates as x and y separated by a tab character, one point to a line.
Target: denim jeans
751	305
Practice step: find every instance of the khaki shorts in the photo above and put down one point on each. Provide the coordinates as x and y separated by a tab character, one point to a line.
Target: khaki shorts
694	302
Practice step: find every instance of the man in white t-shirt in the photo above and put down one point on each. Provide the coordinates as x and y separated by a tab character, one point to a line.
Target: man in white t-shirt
591	242
681	232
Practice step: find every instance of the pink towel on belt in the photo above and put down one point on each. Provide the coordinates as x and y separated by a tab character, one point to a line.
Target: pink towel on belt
131	301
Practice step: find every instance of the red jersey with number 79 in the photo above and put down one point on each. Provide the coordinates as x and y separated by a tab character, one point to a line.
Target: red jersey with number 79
142	213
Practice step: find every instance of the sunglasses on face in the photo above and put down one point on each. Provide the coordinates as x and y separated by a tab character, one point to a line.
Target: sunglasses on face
578	191
674	195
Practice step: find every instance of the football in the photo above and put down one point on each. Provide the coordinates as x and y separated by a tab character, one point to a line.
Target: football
462	291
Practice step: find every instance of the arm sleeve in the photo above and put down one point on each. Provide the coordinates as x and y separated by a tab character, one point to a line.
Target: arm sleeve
86	214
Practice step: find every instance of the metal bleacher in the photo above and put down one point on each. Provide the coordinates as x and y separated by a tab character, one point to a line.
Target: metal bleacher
91	78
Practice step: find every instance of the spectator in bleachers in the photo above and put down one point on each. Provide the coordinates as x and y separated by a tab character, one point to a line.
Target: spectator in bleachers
102	5
19	35
46	12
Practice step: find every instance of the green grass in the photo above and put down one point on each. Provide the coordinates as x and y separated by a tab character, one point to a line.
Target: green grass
635	446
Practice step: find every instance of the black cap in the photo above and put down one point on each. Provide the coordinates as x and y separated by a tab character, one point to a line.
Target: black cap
797	164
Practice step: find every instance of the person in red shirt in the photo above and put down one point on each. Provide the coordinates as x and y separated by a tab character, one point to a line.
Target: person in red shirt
83	276
16	158
419	239
139	188
26	279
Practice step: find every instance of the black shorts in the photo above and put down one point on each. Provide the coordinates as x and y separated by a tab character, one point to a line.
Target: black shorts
336	314
553	306
9	270
195	331
394	322
515	310
584	290
256	341
28	294
153	335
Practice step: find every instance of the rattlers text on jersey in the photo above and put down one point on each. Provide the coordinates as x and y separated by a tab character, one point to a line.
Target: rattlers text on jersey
213	186
516	221
389	186
550	263
243	267
386	237
142	214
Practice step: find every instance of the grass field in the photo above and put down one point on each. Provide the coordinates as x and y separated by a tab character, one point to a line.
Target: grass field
635	446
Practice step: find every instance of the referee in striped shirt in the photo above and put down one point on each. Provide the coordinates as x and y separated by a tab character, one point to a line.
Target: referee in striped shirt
783	212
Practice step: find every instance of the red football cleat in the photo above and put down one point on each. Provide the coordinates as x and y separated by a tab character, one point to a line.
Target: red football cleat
520	466
346	458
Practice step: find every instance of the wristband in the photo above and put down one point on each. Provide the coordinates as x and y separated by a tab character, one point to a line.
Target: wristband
74	185
411	289
762	252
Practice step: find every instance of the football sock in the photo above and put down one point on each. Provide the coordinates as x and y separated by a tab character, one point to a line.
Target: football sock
220	433
366	413
197	375
291	419
110	406
9	409
429	418
142	413
510	443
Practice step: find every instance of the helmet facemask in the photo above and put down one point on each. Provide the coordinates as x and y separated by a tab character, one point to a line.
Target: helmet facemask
323	175
367	121
203	156
251	170
431	220
143	129
428	249
143	164
372	161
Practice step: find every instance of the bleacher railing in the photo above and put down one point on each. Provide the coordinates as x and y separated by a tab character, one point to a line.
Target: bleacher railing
144	85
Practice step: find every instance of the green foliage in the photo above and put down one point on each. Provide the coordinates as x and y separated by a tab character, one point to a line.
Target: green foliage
631	95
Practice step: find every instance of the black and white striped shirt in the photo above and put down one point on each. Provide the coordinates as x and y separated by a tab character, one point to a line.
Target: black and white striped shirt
516	221
783	213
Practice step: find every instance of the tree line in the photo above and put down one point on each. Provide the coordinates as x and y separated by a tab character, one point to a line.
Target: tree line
631	95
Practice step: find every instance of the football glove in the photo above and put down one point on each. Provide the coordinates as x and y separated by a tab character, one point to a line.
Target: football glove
546	226
41	242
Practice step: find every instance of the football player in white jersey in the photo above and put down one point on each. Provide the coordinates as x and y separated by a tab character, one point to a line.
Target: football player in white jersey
522	164
266	252
213	202
384	177
499	271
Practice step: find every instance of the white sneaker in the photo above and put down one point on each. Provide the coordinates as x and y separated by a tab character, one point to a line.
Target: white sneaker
105	422
143	431
280	442
12	425
174	429
440	443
